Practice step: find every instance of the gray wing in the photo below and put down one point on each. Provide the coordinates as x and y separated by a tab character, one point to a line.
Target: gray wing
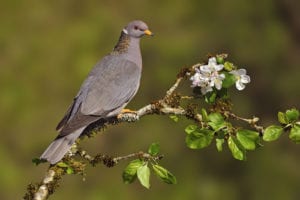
109	87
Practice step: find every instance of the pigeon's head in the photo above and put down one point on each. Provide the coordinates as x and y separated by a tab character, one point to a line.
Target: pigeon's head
137	29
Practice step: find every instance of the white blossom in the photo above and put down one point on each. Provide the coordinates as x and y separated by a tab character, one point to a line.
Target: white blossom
207	76
241	78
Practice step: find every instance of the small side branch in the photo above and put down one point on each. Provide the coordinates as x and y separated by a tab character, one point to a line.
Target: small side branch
252	122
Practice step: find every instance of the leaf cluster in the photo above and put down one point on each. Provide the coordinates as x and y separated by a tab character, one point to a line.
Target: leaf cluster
141	169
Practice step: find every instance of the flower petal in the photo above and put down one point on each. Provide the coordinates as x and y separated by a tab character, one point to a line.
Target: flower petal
218	67
242	71
206	68
222	76
212	60
245	79
235	73
239	85
218	84
206	89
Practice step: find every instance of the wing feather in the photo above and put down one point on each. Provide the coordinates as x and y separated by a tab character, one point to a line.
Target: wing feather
113	87
109	87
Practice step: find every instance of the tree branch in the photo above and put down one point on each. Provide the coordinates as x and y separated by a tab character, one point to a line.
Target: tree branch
170	104
47	186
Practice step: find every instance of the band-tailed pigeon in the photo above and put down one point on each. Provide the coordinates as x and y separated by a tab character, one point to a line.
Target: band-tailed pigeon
109	87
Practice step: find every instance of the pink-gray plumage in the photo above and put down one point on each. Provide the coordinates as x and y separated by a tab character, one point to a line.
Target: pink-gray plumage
109	87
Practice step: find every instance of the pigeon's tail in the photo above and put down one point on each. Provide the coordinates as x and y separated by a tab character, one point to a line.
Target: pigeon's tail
59	147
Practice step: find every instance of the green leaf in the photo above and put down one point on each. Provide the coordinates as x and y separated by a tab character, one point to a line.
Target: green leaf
190	128
154	149
70	170
37	161
204	114
62	165
211	97
219	144
216	118
236	149
229	80
292	115
223	93
295	134
228	66
175	118
282	118
272	133
199	139
164	174
143	174
216	121
129	173
247	138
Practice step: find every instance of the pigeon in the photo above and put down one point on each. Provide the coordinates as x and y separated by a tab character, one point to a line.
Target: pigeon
108	88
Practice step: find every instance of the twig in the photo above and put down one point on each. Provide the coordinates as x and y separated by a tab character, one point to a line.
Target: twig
252	122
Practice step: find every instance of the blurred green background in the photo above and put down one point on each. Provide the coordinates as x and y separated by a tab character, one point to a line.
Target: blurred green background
48	47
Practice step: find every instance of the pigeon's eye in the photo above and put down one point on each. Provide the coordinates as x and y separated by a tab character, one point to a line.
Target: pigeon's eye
136	27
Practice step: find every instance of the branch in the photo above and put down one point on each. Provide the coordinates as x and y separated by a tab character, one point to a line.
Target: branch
214	124
54	174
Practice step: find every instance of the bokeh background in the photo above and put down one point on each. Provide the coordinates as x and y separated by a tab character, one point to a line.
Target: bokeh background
48	47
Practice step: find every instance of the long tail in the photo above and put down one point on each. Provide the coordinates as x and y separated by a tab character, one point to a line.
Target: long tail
59	147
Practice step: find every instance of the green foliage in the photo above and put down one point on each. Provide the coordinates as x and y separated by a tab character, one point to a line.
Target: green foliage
237	150
129	173
219	144
290	120
282	118
154	149
143	174
220	59
210	97
204	115
140	169
199	138
295	133
290	116
164	174
216	121
229	80
190	128
238	140
247	138
228	66
223	93
37	161
272	133
68	169
175	118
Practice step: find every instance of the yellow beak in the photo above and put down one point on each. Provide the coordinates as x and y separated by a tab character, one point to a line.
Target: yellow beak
148	32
